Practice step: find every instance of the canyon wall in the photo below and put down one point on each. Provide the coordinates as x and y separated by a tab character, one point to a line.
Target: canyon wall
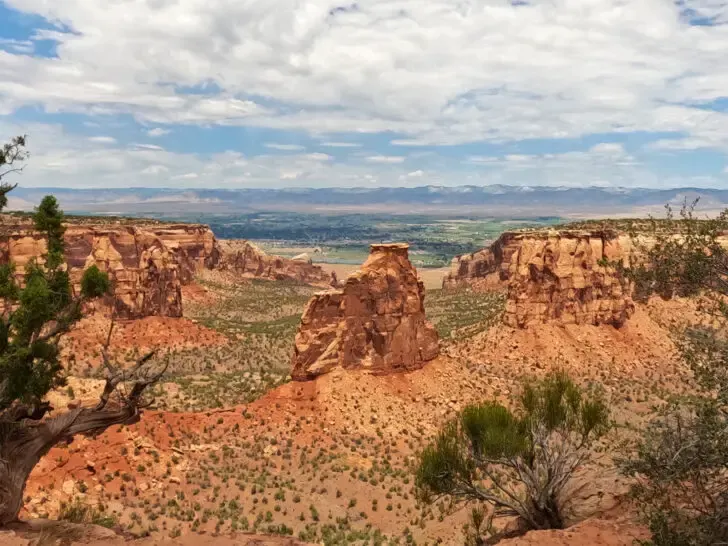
552	275
147	261
143	270
376	321
195	245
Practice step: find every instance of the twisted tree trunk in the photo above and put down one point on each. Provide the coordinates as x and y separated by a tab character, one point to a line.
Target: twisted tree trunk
26	436
23	442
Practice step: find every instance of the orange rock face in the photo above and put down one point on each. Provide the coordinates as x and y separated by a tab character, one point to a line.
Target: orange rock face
376	321
145	273
552	276
247	259
195	245
148	262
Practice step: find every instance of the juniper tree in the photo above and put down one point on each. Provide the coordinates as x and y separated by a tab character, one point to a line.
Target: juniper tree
681	462
35	314
519	462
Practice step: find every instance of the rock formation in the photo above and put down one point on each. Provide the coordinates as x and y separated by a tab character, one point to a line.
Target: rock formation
195	244
245	258
149	261
376	321
552	276
145	273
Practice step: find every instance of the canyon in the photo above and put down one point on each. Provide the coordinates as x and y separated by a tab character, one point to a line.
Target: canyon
295	381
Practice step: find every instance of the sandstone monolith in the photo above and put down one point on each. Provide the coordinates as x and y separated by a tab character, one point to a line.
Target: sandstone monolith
375	321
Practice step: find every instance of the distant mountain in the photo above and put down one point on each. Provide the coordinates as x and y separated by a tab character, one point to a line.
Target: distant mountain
498	201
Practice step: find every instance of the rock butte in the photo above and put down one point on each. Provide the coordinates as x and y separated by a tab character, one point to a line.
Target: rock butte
552	276
375	321
149	262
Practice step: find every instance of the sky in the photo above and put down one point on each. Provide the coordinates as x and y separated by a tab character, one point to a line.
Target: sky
317	93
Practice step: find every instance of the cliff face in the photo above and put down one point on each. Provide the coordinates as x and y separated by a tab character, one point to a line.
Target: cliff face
148	262
143	270
376	321
552	276
195	245
245	258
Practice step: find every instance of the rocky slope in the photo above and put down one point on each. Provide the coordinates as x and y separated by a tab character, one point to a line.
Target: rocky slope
552	276
376	321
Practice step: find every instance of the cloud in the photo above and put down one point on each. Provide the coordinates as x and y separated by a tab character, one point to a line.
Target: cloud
284	147
203	63
158	132
186	176
680	144
608	148
103	139
146	147
155	169
385	159
318	157
341	144
410	74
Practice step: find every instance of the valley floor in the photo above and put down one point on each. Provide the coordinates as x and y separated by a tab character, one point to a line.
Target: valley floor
234	447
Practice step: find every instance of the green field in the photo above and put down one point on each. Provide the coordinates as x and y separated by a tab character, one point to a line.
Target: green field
345	238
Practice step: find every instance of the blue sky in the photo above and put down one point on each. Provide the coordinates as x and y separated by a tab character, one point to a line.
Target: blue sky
183	93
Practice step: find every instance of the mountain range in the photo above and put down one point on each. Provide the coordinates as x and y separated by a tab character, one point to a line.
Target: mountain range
496	200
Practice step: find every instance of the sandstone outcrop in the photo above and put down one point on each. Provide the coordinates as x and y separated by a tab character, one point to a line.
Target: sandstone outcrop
145	273
148	261
195	244
552	276
244	258
376	321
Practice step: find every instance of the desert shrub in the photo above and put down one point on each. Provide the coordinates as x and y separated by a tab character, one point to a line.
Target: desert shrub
78	511
680	464
520	461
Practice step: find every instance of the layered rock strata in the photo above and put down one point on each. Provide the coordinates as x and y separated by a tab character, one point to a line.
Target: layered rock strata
145	273
244	258
195	245
560	276
148	262
375	321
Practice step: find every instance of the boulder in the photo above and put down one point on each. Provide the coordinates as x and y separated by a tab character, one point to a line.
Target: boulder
376	321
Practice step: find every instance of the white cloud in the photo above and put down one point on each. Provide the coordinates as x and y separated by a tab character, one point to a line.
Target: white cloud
284	147
420	73
147	147
416	174
186	176
426	70
103	139
319	156
158	132
341	144
681	144
610	148
385	159
155	169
